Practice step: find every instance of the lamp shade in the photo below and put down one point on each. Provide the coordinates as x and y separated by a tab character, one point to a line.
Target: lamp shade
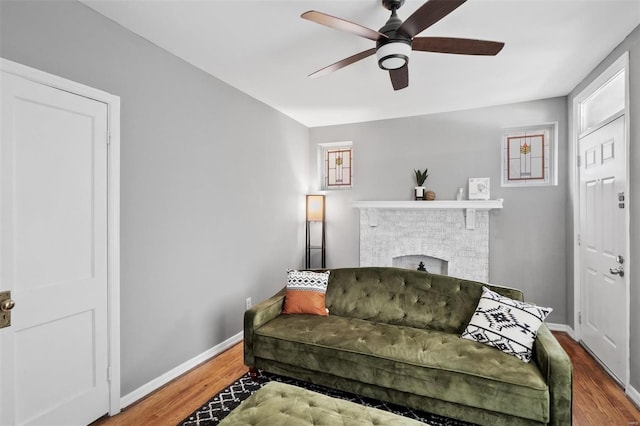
315	208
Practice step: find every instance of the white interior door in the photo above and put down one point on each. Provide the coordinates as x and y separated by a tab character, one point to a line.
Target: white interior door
53	247
603	244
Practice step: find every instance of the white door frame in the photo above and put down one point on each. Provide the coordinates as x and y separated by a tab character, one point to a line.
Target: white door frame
622	63
113	207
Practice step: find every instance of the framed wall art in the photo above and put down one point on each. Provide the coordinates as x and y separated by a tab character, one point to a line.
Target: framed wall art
479	188
529	155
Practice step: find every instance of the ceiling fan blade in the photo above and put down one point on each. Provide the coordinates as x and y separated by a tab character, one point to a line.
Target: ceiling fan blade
427	15
341	24
399	77
343	63
460	46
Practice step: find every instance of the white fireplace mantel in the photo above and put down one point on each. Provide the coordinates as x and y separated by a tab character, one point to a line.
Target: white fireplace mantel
444	204
470	207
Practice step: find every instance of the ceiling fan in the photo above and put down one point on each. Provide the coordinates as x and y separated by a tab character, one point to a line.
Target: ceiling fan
396	39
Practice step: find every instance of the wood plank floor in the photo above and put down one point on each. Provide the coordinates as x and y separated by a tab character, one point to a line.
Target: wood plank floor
597	399
183	395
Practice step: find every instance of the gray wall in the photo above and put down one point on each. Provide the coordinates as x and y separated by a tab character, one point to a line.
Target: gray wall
527	242
631	44
190	230
212	183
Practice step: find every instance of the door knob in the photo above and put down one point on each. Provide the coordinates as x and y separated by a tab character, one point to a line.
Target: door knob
7	304
617	271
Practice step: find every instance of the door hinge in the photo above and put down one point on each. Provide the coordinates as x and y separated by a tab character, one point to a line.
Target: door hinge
579	317
108	138
579	240
578	160
108	374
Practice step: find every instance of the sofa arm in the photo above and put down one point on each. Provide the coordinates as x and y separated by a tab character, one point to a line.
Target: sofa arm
556	367
256	317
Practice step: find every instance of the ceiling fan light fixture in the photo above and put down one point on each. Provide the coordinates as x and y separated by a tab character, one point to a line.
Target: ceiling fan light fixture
393	55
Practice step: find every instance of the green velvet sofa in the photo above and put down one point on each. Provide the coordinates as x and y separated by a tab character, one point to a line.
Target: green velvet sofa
393	334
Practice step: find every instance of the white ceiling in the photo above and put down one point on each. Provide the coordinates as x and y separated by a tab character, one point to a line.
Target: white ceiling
266	50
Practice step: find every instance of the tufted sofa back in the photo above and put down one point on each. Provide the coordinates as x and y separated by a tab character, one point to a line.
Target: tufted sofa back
405	297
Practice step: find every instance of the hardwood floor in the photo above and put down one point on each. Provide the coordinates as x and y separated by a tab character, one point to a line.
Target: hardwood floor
597	399
180	397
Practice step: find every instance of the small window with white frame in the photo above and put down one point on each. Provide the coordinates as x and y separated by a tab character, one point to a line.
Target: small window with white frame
335	161
605	103
529	155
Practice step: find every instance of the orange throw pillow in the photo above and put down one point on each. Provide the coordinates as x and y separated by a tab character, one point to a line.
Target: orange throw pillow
305	293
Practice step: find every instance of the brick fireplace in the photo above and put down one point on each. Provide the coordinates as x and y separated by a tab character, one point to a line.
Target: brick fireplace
449	237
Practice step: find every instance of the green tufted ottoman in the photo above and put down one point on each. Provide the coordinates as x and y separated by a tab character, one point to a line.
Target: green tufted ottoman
281	404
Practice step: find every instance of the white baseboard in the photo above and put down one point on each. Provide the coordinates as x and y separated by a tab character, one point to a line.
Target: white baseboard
562	327
633	395
156	383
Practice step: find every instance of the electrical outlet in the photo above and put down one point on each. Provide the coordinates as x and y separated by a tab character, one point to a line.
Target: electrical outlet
247	303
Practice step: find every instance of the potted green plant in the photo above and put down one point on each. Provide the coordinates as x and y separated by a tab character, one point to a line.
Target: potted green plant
421	177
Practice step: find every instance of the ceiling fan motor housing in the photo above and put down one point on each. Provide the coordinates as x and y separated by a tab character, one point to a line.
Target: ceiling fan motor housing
392	52
392	4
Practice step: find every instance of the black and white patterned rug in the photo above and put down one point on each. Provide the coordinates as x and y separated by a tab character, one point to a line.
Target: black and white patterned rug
218	407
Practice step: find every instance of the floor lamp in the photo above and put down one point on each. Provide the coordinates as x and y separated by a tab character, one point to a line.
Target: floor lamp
315	215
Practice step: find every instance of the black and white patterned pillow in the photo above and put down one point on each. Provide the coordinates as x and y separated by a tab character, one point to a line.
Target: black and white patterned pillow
506	324
307	280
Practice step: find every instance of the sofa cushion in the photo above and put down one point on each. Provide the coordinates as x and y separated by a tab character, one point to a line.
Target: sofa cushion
306	292
404	297
505	324
418	361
